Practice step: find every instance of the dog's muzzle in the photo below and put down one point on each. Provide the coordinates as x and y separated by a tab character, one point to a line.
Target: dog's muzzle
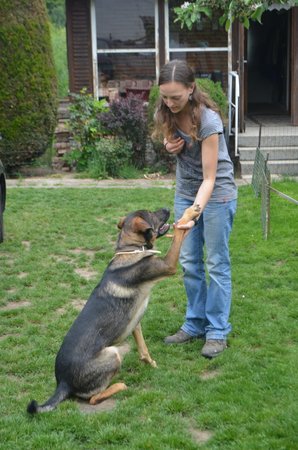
163	229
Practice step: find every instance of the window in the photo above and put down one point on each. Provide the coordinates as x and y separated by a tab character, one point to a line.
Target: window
204	47
126	45
128	42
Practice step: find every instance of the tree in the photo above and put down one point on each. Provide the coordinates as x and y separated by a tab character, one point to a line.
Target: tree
56	11
28	85
190	13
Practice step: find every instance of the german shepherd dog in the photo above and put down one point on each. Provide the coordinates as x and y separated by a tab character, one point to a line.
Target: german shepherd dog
91	352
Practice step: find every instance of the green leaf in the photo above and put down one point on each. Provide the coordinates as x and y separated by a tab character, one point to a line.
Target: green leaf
246	23
227	24
189	23
222	19
207	11
257	15
194	17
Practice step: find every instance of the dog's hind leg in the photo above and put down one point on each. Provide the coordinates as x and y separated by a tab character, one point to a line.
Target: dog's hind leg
142	347
109	363
111	390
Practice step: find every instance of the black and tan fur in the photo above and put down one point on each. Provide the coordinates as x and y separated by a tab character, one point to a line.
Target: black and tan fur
91	352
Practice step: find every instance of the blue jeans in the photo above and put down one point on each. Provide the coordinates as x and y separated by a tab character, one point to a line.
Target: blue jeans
208	303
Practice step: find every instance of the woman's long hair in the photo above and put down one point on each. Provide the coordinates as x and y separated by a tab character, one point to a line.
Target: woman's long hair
165	121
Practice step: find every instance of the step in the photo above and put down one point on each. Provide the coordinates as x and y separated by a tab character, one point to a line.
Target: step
278	167
62	145
275	153
63	113
62	127
285	140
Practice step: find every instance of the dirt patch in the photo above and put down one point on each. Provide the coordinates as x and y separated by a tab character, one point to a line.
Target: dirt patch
15	305
86	273
209	374
63	259
11	291
200	436
60	311
22	275
26	244
5	336
78	304
79	251
105	406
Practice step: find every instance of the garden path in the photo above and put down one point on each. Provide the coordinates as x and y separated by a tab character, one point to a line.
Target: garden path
68	180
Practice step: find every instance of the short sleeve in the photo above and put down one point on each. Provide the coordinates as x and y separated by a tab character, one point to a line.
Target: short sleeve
211	123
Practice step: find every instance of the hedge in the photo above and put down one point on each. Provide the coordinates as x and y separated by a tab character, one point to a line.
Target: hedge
28	84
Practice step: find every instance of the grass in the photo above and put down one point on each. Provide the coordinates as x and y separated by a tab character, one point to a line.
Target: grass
244	400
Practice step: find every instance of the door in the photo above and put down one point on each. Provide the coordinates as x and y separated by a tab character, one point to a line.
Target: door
268	65
266	60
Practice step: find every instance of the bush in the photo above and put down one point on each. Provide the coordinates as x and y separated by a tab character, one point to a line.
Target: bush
94	150
28	86
216	93
85	127
126	118
108	157
153	99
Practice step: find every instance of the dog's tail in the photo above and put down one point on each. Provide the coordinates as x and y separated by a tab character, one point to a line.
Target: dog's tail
62	392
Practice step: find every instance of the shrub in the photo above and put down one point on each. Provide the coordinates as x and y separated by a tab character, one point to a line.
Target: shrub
85	127
28	87
108	157
216	93
126	118
153	98
94	149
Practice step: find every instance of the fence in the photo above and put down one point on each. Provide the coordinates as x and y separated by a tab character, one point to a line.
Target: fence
261	183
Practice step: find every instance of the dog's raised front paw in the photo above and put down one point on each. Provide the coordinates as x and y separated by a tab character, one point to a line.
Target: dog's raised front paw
148	360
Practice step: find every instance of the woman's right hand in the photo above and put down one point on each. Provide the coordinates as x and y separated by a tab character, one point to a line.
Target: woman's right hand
174	146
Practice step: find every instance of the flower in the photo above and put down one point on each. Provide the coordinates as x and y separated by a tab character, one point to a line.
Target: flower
185	5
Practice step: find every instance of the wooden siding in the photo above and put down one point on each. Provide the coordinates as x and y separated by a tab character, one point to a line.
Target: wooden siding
78	24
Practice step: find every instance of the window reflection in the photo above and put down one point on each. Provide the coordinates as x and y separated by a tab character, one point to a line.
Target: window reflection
125	24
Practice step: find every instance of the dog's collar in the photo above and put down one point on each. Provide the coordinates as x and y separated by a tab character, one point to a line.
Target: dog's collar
144	249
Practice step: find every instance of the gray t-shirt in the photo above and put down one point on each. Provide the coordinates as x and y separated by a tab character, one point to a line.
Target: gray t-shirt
189	173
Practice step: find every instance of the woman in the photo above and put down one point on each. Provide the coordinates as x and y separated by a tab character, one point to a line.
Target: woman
193	131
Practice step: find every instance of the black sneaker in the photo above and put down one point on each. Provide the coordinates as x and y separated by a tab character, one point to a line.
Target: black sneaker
213	347
179	338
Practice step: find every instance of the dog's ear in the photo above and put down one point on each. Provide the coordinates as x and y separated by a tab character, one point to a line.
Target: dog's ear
140	225
121	222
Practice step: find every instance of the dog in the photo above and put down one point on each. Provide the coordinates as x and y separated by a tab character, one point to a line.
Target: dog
91	352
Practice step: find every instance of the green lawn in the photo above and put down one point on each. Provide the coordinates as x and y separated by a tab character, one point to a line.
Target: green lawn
244	400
